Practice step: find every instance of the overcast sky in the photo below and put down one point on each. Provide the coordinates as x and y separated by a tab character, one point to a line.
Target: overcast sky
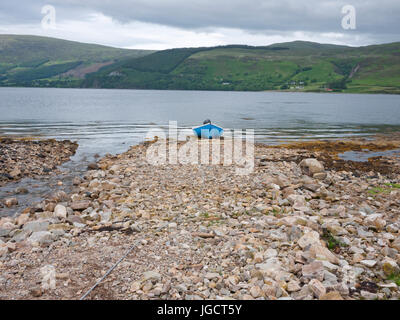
161	24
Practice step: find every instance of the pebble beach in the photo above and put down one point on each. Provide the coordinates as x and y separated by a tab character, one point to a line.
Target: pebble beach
303	225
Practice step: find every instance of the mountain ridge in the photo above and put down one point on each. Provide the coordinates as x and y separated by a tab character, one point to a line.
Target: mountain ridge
291	66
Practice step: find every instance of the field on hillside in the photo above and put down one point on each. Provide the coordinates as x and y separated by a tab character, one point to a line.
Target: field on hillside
40	61
297	66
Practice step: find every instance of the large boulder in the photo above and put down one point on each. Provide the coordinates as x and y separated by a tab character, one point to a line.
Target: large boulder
312	167
35	226
40	238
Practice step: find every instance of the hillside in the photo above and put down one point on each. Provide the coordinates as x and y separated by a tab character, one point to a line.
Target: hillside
41	61
295	66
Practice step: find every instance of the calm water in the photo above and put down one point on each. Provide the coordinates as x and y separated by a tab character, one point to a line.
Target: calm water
111	120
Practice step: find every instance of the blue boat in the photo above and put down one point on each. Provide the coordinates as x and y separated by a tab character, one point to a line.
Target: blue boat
208	131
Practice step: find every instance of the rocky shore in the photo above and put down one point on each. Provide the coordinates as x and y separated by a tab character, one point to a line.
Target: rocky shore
303	225
24	157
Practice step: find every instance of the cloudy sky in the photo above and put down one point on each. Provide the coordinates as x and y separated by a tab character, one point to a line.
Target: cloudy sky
161	24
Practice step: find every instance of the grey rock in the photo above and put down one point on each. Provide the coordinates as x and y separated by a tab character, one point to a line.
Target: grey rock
311	166
80	205
151	275
41	237
20	235
35	226
4	232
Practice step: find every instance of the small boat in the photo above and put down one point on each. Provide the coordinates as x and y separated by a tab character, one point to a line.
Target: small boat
208	131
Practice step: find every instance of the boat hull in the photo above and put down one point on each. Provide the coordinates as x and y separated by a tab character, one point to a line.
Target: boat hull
208	131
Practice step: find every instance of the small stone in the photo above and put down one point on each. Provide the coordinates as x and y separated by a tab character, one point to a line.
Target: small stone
22	219
135	286
11	246
3	250
79	225
80	205
256	292
105	216
390	266
20	235
234	280
60	211
15	173
320	175
93	166
36	292
273	268
329	266
94	215
368	263
368	295
390	285
21	190
333	295
10	202
337	230
293	286
322	253
354	249
375	221
4	232
75	219
151	275
258	257
313	270
311	237
330	279
317	288
396	243
62	276
211	275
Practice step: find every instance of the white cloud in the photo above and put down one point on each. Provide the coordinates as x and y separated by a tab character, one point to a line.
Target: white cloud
145	25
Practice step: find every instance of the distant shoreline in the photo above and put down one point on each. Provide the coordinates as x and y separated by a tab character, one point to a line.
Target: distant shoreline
203	90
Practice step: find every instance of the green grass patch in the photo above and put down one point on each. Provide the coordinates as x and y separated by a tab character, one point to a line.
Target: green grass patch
331	242
379	190
395	277
387	189
393	185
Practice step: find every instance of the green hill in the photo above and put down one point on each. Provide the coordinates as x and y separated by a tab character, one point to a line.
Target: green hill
294	66
37	61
